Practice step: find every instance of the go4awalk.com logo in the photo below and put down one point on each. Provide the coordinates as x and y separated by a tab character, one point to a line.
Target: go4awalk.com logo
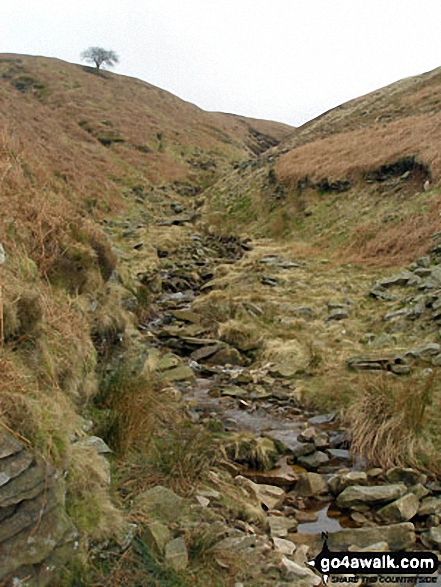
389	567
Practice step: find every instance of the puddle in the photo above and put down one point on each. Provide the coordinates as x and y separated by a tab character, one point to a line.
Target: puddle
324	523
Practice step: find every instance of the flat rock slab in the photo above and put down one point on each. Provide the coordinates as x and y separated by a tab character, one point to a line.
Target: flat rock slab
397	536
360	494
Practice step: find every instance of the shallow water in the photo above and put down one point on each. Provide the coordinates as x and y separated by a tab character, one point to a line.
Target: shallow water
324	523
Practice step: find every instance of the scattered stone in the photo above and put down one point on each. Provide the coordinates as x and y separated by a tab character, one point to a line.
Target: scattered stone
368	363
266	280
203	501
289	440
234	391
181	373
284	546
161	503
310	484
339	454
403	279
338	314
227	356
305	517
176	554
359	494
375	474
304	312
253	309
314	461
283	477
283	371
205	352
425	350
280	526
187	316
294	572
96	443
156	535
380	293
397	314
322	419
235	543
269	496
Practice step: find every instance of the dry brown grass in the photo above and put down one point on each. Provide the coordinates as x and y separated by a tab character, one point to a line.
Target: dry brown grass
395	245
351	154
387	419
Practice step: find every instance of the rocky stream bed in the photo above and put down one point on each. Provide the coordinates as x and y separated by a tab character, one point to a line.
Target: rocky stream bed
310	482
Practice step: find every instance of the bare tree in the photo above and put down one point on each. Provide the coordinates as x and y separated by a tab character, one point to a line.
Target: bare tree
98	56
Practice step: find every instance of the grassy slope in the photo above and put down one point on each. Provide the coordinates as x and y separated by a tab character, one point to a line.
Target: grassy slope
287	193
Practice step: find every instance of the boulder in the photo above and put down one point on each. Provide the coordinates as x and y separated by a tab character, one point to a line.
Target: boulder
339	483
289	440
314	460
161	503
405	475
310	484
401	510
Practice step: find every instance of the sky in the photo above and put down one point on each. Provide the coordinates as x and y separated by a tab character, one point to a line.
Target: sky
284	60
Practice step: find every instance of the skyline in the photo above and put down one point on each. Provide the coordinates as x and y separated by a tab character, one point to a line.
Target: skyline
289	61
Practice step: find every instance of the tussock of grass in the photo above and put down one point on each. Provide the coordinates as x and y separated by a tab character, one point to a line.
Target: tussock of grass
256	453
240	334
181	456
130	406
387	420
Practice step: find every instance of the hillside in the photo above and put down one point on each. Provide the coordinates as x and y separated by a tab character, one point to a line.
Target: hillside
72	113
378	153
220	335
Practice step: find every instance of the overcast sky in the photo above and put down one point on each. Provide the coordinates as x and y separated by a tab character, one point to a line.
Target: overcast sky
286	60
